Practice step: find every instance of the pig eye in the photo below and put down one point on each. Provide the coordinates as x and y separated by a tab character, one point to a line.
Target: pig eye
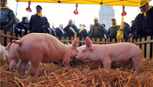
77	51
83	51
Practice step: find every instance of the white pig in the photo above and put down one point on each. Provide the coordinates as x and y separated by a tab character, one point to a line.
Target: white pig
106	54
39	47
4	51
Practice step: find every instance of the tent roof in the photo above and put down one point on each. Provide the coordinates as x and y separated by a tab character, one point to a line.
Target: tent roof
96	2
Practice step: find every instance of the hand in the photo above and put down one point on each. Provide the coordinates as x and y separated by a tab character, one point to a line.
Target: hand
28	31
130	35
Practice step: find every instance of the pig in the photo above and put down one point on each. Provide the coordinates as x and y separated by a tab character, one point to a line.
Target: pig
106	54
4	51
39	47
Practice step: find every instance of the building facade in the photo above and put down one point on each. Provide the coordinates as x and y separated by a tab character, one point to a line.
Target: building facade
106	13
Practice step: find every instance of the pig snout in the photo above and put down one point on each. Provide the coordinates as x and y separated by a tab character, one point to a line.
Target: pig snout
78	57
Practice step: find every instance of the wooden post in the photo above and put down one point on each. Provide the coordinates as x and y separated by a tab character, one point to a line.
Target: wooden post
23	33
108	40
134	41
93	40
8	39
138	40
72	38
98	41
62	39
131	39
148	48
143	46
103	40
124	40
113	40
78	39
67	40
14	36
83	41
2	38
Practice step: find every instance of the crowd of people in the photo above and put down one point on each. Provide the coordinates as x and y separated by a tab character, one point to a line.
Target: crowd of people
142	26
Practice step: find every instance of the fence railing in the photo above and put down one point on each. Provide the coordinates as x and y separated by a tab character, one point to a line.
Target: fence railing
143	43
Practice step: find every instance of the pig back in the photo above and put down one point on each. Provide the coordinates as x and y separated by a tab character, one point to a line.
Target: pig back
122	51
45	46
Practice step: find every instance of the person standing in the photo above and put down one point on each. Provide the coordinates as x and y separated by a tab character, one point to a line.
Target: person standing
112	31
38	23
126	28
143	23
82	32
70	29
135	35
105	31
7	18
96	31
22	26
60	31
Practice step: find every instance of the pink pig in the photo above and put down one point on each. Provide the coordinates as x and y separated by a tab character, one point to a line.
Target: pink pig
4	51
39	47
106	54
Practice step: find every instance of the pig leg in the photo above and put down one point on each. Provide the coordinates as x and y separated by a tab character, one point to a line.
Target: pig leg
13	64
33	69
21	67
61	63
3	56
66	62
107	64
135	62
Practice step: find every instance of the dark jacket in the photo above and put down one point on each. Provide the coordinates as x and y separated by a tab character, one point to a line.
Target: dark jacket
22	26
7	19
100	32
60	32
82	33
69	32
143	26
112	32
38	24
127	30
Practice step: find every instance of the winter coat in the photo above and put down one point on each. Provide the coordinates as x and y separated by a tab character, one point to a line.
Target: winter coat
70	32
127	30
143	26
82	33
112	32
7	19
100	32
60	32
38	24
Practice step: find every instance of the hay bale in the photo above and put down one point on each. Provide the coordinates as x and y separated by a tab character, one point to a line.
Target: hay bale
85	75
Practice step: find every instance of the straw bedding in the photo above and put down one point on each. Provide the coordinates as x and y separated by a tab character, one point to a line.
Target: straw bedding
84	75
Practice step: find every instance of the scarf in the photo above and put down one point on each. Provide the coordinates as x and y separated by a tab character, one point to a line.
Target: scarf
114	25
145	13
39	14
4	7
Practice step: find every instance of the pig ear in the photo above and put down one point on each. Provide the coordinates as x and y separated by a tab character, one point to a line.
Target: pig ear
88	43
74	43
